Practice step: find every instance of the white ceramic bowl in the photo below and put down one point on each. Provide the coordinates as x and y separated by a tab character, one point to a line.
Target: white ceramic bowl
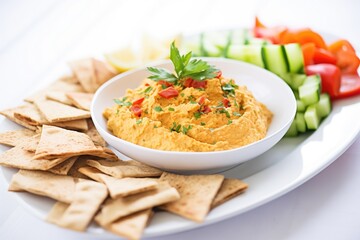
266	87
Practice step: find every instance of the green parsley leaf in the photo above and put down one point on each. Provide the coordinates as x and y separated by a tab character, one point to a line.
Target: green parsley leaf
182	94
185	67
237	114
226	113
122	102
158	109
202	124
139	121
229	122
171	109
186	129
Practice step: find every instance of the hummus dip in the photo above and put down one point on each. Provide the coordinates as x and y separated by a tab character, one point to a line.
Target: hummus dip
212	115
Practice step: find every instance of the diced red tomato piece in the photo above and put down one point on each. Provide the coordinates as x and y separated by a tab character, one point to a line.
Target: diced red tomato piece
308	50
169	92
324	56
136	109
165	83
206	109
330	77
226	102
219	74
146	84
202	100
350	86
199	84
188	82
138	101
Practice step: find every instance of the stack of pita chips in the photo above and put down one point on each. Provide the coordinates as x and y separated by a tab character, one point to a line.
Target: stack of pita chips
60	155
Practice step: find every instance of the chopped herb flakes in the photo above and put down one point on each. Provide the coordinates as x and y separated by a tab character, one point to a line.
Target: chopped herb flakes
139	121
171	109
229	122
158	109
148	90
122	102
226	112
197	115
182	94
175	127
202	124
237	114
229	88
186	129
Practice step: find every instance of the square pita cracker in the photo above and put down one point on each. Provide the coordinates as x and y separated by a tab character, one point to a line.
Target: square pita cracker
80	100
15	137
58	112
64	167
59	142
121	169
61	188
229	189
58	96
17	157
197	194
120	187
65	84
77	216
132	226
114	209
9	114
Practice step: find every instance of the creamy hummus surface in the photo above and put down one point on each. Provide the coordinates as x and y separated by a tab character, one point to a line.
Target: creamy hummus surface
214	115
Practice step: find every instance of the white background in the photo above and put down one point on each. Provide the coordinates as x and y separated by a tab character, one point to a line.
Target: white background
37	38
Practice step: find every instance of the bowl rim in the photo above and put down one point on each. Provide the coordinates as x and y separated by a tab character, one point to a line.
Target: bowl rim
160	62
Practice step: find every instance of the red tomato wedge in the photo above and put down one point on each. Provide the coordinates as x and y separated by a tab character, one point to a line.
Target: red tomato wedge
189	82
206	109
330	77
350	86
226	102
324	56
169	92
202	100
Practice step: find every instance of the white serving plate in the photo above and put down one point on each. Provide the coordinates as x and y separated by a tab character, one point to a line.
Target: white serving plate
289	164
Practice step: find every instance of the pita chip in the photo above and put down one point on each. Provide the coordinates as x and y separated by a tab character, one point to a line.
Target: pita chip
80	100
59	142
80	124
229	189
58	112
103	71
79	163
64	167
120	187
61	188
56	212
132	226
9	114
121	169
197	194
31	143
87	199
59	96
115	209
17	157
30	114
15	137
94	134
64	84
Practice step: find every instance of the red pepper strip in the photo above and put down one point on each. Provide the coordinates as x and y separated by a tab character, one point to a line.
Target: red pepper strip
226	102
169	92
350	86
138	102
206	109
136	110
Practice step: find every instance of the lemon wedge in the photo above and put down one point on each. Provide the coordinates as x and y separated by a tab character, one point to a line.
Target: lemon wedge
124	59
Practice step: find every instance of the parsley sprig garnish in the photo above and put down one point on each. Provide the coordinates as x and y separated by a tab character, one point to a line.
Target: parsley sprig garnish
185	67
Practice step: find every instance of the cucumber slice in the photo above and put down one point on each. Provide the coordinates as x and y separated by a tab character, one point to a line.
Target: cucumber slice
240	37
300	122
293	80
323	107
274	59
292	132
312	117
246	53
300	106
309	92
294	57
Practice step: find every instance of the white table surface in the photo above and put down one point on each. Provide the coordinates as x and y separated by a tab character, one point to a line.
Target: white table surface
38	37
